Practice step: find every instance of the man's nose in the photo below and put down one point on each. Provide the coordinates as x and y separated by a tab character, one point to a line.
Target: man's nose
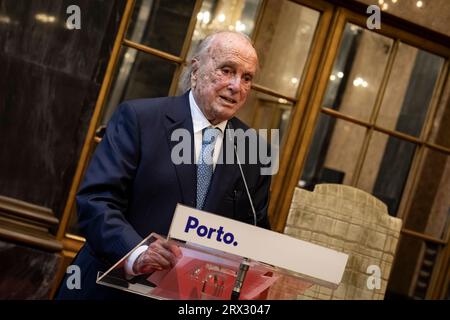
234	83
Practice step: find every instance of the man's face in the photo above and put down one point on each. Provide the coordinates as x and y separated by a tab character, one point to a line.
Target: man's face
222	77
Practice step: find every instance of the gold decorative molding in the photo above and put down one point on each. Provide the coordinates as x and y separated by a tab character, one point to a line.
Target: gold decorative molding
90	135
153	51
28	224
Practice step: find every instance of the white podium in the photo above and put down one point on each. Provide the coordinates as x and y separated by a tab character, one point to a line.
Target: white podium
223	258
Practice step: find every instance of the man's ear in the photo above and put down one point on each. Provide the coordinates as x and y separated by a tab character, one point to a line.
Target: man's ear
195	65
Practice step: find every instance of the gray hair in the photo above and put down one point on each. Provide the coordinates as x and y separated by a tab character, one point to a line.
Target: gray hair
202	48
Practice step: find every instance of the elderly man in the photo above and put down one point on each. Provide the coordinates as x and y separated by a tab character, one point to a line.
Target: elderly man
132	184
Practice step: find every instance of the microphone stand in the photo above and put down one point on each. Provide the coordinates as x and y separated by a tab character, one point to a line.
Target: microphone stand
245	264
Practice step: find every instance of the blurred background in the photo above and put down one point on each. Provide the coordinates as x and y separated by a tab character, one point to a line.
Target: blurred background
365	108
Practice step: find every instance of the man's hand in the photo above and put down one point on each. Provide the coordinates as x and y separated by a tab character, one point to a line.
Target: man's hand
159	255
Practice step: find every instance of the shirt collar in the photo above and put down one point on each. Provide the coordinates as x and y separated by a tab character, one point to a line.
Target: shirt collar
199	120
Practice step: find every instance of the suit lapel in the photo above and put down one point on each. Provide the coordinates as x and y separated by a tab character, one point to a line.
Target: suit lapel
178	116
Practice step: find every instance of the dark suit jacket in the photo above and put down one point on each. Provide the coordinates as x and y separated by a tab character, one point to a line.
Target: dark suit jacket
131	188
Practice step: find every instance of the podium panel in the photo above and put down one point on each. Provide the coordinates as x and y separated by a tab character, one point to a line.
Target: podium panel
231	260
203	274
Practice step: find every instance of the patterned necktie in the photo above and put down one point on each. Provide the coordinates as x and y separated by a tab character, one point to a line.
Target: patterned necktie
205	164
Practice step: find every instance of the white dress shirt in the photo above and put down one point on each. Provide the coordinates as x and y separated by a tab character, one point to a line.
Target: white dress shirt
199	122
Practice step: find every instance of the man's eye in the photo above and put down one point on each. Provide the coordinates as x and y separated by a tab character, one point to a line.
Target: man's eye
248	78
226	71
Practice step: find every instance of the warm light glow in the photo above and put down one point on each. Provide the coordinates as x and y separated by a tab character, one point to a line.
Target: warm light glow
206	17
282	100
385	7
294	80
340	74
419	4
354	28
240	26
42	17
221	17
305	29
360	82
4	19
394	1
380	2
332	77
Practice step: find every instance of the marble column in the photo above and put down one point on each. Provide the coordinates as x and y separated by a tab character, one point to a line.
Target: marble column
50	77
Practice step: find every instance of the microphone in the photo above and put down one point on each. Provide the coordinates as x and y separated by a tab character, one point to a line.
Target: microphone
244	266
230	127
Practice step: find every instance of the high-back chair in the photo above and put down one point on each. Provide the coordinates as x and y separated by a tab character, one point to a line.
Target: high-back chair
352	221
